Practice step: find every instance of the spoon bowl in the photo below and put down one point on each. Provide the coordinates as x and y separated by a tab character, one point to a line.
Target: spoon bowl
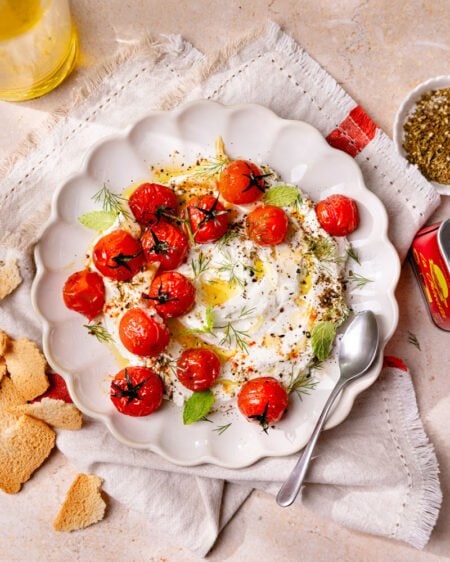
357	351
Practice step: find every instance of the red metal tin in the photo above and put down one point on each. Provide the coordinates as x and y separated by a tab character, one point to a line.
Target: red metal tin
430	257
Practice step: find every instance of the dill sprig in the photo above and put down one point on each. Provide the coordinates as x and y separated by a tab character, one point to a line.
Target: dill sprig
351	253
245	312
232	334
200	265
221	428
232	233
303	383
324	250
111	202
231	267
210	167
412	339
359	280
99	331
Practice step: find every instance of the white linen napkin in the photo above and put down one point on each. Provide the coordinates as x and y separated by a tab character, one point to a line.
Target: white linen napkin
394	490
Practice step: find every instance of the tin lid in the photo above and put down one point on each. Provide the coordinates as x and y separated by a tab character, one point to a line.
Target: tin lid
444	242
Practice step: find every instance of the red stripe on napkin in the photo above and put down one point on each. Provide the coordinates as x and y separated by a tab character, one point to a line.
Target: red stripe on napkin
354	133
391	361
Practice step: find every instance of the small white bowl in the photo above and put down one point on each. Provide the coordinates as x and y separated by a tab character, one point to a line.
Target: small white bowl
408	106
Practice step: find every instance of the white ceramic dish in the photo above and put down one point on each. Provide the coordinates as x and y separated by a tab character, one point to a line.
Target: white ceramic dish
407	106
300	155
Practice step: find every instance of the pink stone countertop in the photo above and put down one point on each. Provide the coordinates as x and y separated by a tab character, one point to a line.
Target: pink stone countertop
378	51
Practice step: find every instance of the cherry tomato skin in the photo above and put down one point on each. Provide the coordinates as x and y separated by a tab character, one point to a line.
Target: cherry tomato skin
198	368
118	255
267	225
165	244
149	199
136	391
263	399
208	218
241	182
171	294
142	334
84	292
338	215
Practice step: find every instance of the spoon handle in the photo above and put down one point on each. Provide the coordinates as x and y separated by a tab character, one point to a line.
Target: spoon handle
289	490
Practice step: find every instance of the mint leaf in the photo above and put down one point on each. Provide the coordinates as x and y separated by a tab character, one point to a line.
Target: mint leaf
322	337
282	195
197	406
98	220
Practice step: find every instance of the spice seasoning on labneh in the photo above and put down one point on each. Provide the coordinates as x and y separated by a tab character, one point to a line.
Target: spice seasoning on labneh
427	135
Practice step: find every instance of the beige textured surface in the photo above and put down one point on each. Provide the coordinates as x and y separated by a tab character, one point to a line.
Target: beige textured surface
378	51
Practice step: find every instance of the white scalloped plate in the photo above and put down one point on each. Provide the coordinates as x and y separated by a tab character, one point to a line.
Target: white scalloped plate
300	155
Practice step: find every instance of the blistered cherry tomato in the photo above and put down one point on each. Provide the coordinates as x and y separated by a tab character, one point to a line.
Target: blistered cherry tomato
143	334
84	292
118	255
263	400
150	200
166	244
267	226
136	391
198	368
208	218
171	294
338	215
241	182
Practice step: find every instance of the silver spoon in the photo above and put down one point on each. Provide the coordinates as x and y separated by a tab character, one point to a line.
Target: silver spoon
357	351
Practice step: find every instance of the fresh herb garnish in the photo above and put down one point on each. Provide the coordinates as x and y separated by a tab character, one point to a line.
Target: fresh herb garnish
283	196
221	428
200	264
210	168
99	331
231	267
197	406
324	249
303	383
412	339
358	279
322	337
208	326
233	334
111	202
98	220
351	253
245	312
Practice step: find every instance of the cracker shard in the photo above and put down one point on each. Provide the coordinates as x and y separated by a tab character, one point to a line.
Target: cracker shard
23	448
56	413
4	342
10	398
10	277
82	506
26	366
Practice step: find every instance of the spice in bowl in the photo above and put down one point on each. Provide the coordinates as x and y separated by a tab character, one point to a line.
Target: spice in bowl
426	138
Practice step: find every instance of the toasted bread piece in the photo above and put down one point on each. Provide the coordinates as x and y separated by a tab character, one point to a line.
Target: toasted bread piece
23	448
10	397
3	369
26	367
83	504
4	342
54	412
10	277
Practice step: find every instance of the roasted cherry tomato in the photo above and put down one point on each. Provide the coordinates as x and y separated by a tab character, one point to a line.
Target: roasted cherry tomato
165	243
198	368
267	226
143	334
241	182
338	215
150	200
118	255
172	294
208	218
84	292
263	400
136	391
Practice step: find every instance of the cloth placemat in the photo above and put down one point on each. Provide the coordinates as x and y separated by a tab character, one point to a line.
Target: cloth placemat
393	491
